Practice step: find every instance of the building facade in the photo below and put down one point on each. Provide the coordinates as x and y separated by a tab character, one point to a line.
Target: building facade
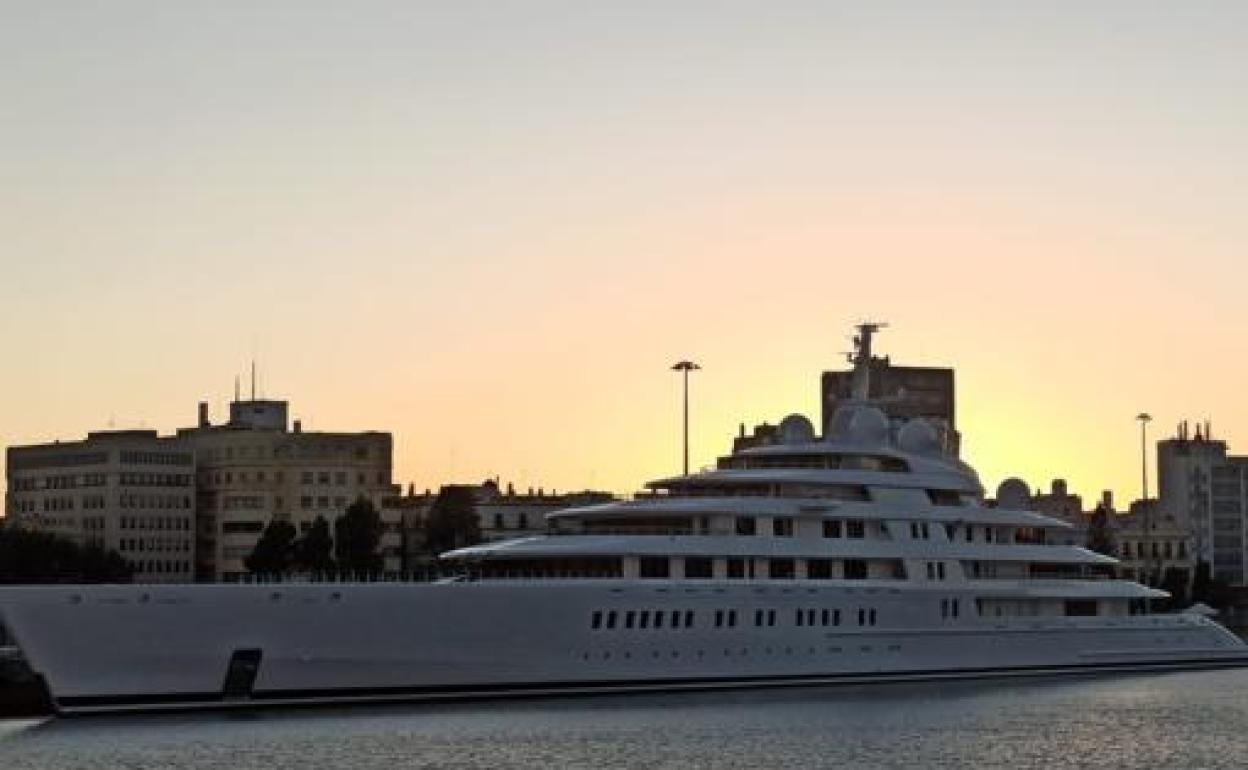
257	467
132	492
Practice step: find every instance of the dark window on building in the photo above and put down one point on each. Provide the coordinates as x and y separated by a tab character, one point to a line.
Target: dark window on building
746	525
831	528
629	618
611	619
782	527
688	618
596	623
855	569
856	529
732	618
771	617
819	569
736	568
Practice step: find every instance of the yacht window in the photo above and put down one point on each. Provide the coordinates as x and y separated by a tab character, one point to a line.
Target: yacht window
855	569
597	621
831	528
758	617
653	567
862	617
771	617
1080	608
782	569
987	534
856	529
746	525
871	617
954	607
798	617
944	608
914	530
719	618
732	618
949	532
611	619
697	567
736	568
824	618
926	533
970	534
810	617
944	497
688	618
819	569
628	619
645	619
836	617
675	619
658	619
782	527
940	570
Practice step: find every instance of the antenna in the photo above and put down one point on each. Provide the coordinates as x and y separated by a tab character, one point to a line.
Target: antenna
237	396
253	379
861	358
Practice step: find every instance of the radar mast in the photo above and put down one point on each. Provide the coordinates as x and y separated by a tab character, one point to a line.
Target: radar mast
860	389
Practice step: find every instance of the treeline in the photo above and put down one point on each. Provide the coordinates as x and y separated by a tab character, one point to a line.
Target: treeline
40	557
351	544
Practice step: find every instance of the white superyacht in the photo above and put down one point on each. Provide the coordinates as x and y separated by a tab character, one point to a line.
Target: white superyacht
863	555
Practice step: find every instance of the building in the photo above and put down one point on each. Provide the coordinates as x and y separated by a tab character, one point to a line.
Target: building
132	492
257	467
1152	543
502	513
903	392
1205	489
506	514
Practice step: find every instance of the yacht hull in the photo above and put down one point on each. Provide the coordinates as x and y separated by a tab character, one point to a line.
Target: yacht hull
106	648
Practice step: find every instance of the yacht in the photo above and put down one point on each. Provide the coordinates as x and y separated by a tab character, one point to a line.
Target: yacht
866	554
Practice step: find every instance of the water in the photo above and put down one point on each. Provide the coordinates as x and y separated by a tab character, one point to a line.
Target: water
1183	720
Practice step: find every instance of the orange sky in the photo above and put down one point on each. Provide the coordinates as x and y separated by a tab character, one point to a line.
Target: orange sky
491	228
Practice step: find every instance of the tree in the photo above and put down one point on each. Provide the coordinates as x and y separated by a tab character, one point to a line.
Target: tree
1174	581
357	534
314	552
273	552
452	521
1100	538
39	557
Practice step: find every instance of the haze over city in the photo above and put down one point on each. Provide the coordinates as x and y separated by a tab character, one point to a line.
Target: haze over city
491	228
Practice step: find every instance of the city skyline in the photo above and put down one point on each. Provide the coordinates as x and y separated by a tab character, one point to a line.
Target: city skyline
491	229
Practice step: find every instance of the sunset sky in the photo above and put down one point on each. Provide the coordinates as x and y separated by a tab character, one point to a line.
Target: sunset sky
491	227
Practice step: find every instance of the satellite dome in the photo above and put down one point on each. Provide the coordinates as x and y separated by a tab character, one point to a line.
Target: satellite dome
867	425
918	436
796	429
838	424
1014	493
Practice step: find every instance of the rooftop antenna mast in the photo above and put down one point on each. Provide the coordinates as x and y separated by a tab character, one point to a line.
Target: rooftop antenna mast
861	358
253	379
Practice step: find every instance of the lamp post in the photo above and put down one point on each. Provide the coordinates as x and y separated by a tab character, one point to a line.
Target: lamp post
684	367
1144	419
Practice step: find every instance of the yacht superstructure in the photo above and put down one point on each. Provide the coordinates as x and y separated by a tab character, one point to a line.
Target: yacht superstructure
864	554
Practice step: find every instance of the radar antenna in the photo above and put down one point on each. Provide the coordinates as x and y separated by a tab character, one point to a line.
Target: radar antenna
861	358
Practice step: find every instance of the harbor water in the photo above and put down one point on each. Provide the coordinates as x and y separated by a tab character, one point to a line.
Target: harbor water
1180	720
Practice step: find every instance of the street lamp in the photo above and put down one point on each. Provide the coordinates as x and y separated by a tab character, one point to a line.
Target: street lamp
1144	419
684	367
